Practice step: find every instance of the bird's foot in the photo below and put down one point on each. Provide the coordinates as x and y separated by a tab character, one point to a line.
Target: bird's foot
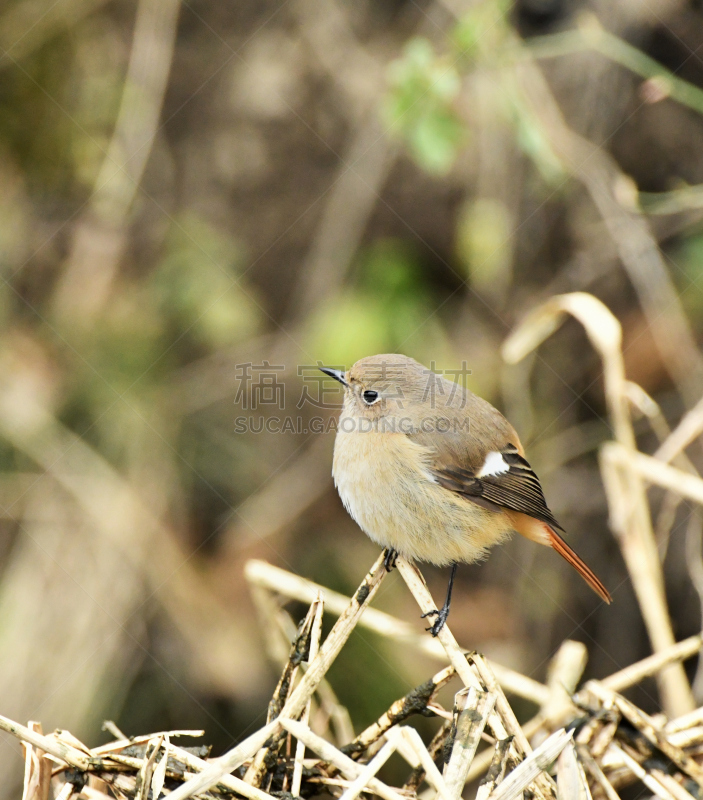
389	559
438	624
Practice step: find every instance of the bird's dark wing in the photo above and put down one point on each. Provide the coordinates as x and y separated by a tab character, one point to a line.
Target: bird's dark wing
505	480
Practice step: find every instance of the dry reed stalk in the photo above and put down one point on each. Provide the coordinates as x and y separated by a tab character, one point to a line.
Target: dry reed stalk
66	791
649	730
648	780
564	672
300	645
472	711
328	752
147	770
369	771
196	764
89	793
435	748
665	780
110	727
532	767
413	749
484	761
689	428
596	773
315	634
627	500
278	630
633	674
124	741
681	723
159	777
216	770
413	702
274	579
298	699
504	708
457	658
688	738
571	779
62	752
510	764
37	770
655	471
503	722
496	770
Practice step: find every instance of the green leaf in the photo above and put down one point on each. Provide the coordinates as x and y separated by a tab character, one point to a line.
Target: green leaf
419	106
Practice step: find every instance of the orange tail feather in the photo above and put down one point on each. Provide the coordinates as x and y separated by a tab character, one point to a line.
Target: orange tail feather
584	571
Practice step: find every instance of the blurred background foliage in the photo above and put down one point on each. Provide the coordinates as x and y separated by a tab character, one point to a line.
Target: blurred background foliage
199	200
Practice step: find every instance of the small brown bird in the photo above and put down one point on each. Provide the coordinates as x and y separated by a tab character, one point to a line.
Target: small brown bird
434	473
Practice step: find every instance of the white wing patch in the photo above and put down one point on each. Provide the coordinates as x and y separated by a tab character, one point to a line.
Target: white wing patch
494	464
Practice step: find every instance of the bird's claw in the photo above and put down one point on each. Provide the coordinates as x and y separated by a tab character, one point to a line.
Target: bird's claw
389	559
438	624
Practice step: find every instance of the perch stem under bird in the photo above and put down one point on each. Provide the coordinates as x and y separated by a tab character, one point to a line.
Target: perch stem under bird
434	473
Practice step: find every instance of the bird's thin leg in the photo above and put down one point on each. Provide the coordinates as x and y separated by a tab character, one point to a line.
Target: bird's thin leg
443	613
389	559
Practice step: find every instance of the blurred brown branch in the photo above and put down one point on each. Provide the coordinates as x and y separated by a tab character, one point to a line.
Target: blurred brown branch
100	237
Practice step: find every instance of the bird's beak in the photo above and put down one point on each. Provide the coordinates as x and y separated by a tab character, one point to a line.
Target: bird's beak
337	374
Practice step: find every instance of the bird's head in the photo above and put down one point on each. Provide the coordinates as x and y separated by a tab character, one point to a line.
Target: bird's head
389	386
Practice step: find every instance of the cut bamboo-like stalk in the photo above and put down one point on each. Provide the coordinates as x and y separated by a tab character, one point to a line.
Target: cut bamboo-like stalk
300	695
400	710
457	658
196	764
686	721
216	770
671	785
301	641
275	579
120	744
529	770
147	770
66	791
503	721
565	670
597	773
314	648
652	664
61	751
473	709
503	707
369	771
159	777
413	749
496	770
37	770
649	730
648	780
278	630
571	781
328	752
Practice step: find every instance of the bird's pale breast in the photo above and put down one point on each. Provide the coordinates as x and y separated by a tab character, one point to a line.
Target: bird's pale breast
386	484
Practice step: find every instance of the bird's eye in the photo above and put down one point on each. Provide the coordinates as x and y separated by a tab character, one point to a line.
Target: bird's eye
370	397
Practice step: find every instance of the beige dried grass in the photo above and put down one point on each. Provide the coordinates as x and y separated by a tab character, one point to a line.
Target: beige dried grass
512	765
630	518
